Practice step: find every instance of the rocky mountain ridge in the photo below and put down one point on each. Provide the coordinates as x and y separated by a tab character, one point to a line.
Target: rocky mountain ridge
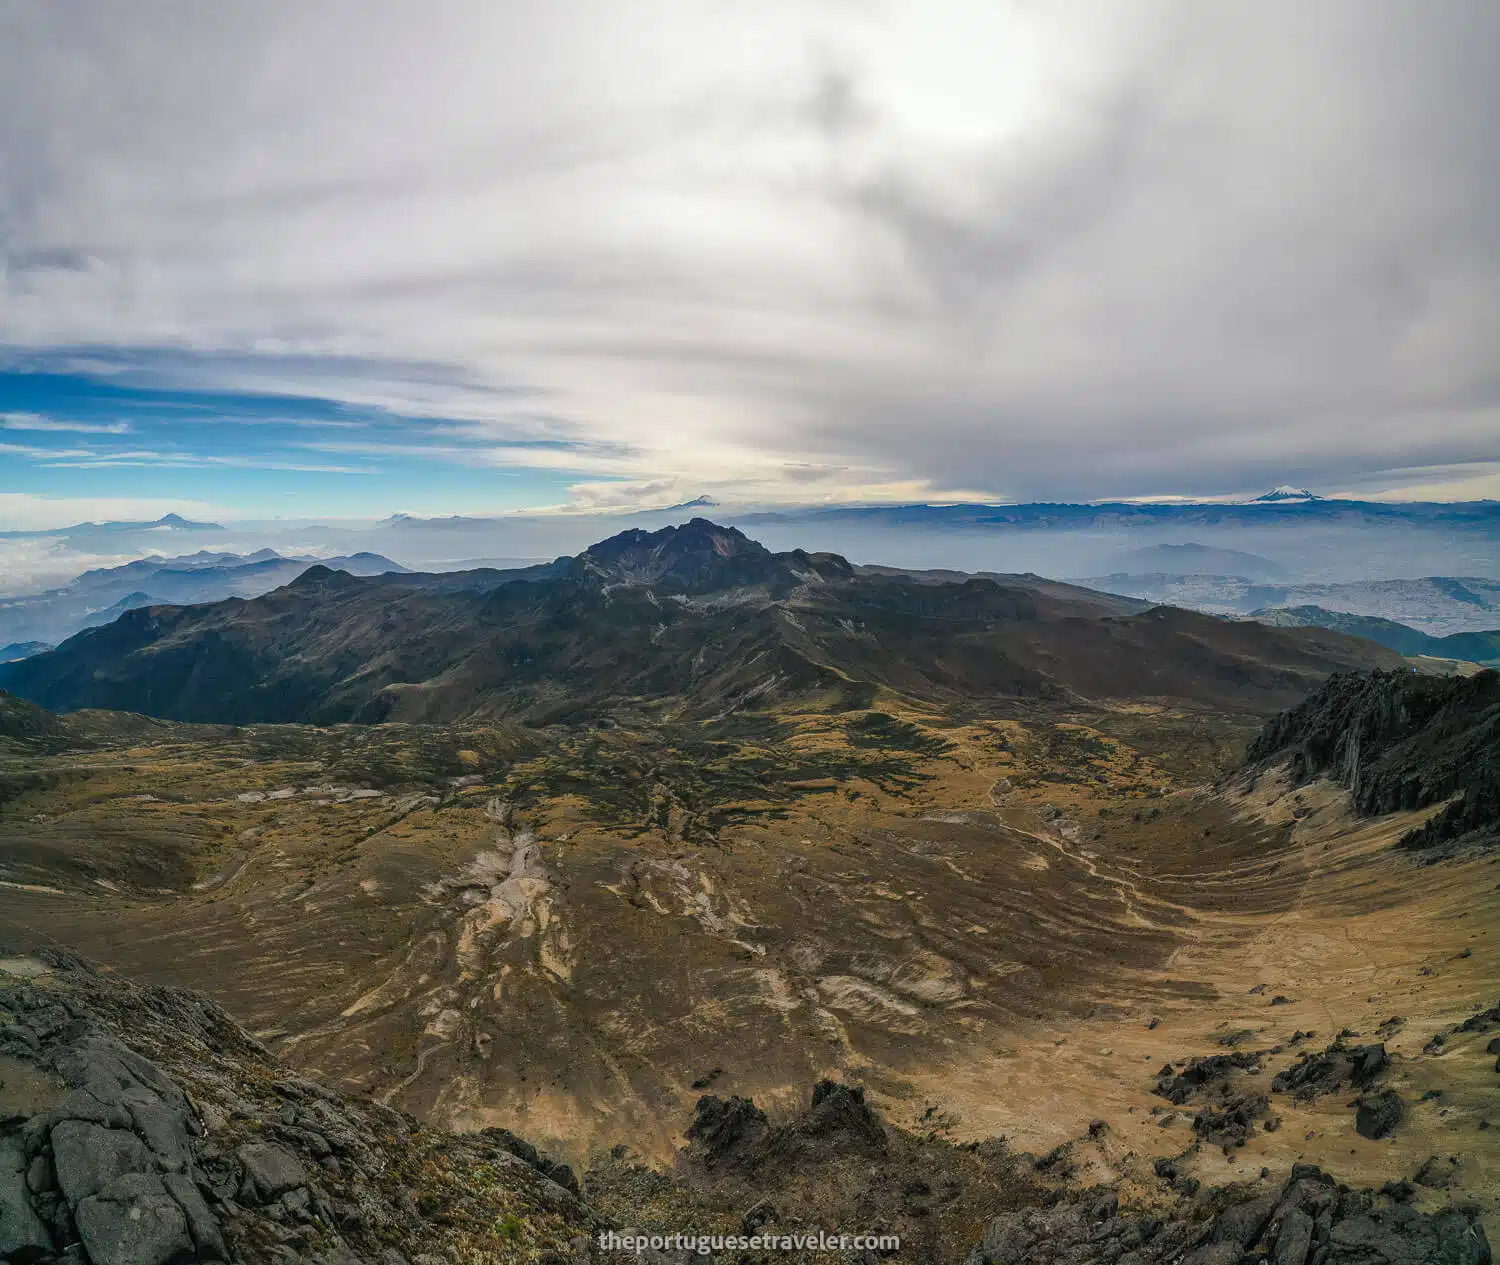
697	619
1401	741
101	595
701	557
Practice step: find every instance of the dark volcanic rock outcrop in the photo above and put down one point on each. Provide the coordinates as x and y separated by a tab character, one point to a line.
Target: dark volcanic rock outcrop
724	1129
1332	1069
1377	1111
1378	1114
1226	1114
1210	1075
1308	1219
141	1126
735	1131
1398	741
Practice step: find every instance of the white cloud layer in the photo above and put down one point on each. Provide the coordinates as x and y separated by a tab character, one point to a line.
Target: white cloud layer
23	511
795	251
35	422
36	563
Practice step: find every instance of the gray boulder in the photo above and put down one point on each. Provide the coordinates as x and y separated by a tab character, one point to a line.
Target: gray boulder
133	1221
270	1171
1243	1223
1402	1236
79	1104
122	1159
1379	1114
113	1072
88	1157
1294	1240
23	1235
1224	1253
202	1225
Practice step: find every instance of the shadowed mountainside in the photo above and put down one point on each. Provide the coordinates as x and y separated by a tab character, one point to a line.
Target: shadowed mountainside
104	594
696	620
1476	647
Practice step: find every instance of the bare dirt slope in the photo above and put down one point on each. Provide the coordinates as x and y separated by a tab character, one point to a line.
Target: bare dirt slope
577	934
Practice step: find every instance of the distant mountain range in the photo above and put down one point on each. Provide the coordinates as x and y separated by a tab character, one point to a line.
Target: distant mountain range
167	523
1475	647
1192	558
21	650
1311	538
1437	605
1282	505
103	594
1265	510
691	621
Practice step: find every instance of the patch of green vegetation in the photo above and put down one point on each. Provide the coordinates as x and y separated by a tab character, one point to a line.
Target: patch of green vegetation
385	757
14	786
876	730
697	779
686	778
26	725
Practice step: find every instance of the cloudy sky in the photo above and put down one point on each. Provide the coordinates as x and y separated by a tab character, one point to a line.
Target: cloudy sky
475	255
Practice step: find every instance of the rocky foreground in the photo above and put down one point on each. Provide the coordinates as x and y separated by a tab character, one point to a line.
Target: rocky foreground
142	1126
1311	1219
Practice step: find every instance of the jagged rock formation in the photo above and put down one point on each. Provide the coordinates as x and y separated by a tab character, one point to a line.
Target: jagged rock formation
142	1126
1400	741
702	557
734	1132
1311	1220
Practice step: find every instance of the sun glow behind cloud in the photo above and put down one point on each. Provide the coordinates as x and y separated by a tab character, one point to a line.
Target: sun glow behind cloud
540	254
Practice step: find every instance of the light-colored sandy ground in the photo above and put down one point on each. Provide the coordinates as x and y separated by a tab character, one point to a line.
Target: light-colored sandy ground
1370	935
983	950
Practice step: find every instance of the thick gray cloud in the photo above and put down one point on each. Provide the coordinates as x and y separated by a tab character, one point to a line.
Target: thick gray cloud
797	251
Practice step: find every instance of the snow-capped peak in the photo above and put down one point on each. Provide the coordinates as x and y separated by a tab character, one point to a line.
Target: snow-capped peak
1287	493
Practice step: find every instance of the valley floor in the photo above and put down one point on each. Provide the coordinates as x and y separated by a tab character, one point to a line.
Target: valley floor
999	926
